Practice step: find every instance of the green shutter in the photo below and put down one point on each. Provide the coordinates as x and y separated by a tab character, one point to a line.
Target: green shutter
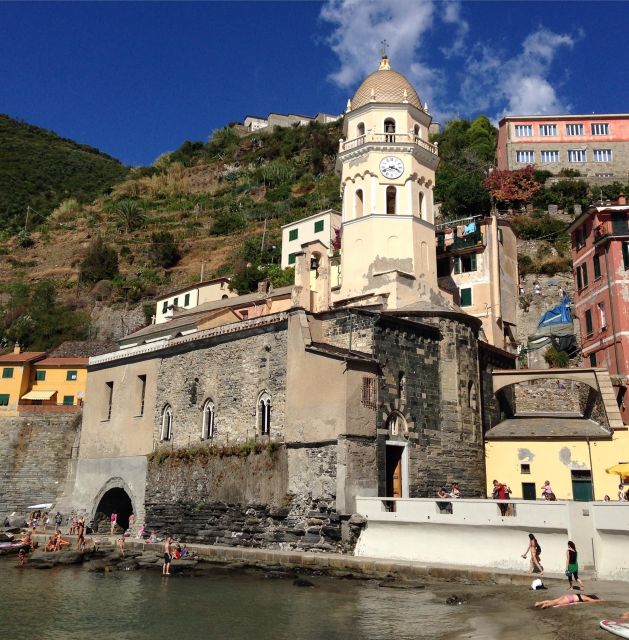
457	265
4	399
176	301
186	300
466	297
68	400
579	281
588	322
625	254
585	274
473	262
597	266
291	258
592	359
7	372
71	375
319	226
293	234
40	376
165	306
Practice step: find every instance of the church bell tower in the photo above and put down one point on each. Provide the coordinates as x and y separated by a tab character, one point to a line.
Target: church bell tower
387	167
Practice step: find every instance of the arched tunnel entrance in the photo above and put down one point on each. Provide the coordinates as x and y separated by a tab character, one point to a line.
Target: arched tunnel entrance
117	501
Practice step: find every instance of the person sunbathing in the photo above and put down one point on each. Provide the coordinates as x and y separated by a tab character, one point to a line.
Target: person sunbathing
50	545
59	541
568	599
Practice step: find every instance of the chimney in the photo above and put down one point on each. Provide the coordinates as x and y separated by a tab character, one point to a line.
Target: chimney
17	348
622	198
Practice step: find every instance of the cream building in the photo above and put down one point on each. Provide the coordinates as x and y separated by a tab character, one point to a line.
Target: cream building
322	226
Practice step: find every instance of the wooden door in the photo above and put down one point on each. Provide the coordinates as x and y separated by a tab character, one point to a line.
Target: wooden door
397	478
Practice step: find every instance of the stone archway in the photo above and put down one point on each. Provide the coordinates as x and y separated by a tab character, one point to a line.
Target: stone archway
115	498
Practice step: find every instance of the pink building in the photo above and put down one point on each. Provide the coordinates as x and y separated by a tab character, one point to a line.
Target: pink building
595	145
600	256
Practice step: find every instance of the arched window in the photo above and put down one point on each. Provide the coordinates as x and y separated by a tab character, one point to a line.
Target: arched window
417	131
391	200
359	203
207	427
389	129
420	204
360	129
401	387
167	423
396	424
264	414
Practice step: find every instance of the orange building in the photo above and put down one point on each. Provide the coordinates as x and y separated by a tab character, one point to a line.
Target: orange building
600	255
596	145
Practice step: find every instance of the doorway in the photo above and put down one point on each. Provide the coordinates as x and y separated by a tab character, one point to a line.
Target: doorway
395	471
528	491
117	501
581	486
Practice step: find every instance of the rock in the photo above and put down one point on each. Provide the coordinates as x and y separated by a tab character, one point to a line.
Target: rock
127	564
97	566
357	520
54	558
454	600
6	537
183	564
396	584
302	582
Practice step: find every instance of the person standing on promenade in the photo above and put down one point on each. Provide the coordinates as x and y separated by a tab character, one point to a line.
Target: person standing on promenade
572	566
167	556
500	493
536	553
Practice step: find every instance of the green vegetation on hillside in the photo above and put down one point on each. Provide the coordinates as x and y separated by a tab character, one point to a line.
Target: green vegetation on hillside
41	169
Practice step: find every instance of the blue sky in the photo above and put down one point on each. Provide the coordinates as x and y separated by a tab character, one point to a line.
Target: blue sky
137	79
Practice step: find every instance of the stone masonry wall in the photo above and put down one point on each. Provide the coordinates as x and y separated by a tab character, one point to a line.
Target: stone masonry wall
337	331
35	453
232	373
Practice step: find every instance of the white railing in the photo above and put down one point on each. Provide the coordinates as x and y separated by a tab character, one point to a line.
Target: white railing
388	138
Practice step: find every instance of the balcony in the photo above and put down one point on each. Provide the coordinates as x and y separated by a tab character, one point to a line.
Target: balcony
386	139
460	244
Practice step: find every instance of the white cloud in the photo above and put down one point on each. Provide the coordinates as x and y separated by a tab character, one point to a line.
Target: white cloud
487	79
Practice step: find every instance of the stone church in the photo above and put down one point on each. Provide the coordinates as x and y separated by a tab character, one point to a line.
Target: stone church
227	426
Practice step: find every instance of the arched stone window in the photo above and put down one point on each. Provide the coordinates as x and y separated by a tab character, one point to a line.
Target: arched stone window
264	414
360	129
167	423
396	424
359	203
207	425
391	196
420	204
389	129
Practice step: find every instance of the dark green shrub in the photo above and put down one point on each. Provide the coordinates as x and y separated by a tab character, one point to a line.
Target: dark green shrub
556	359
164	251
100	263
227	222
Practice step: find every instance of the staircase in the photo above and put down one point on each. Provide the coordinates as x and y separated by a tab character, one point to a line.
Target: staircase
609	399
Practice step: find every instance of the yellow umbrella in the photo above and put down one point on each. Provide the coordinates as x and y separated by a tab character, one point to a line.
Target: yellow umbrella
621	469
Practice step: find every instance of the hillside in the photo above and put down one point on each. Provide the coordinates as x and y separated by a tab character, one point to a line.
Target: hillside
40	169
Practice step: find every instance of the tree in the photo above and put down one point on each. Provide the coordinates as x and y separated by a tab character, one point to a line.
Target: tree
513	187
164	251
128	215
100	263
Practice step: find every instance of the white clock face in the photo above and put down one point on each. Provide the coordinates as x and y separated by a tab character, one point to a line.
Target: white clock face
391	167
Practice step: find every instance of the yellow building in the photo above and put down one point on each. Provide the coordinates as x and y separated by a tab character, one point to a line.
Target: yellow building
32	382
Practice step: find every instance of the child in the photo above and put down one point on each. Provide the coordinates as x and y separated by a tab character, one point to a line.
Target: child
572	566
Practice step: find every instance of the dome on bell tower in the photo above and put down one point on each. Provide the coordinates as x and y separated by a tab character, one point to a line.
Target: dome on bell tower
385	85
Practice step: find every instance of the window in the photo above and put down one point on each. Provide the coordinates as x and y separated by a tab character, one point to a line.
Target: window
525	468
592	359
625	254
389	129
577	272
358	205
40	376
167	423
142	383
4	399
71	375
291	258
584	273
523	130
360	129
165	306
600	129
68	400
369	394
465	264
574	129
391	200
525	157
596	261
547	129
420	203
602	155
293	234
602	317
109	396
579	237
443	267
176	302
589	328
466	297
207	427
577	155
417	131
264	414
401	387
549	156
7	372
186	300
318	226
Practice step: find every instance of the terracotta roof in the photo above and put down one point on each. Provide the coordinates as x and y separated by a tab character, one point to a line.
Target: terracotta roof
63	362
388	86
22	358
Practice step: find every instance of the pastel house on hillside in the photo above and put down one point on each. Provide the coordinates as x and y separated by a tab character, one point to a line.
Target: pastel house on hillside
32	382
